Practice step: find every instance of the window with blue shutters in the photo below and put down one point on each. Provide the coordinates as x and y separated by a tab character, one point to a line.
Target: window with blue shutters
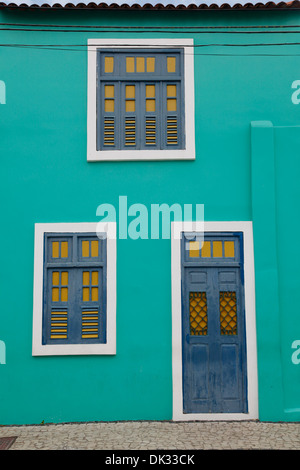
140	99
74	289
74	298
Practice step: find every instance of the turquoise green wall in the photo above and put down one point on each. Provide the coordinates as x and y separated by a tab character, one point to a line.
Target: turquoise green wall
275	200
46	178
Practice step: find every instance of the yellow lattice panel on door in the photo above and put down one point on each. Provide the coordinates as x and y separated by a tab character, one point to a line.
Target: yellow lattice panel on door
198	313
228	313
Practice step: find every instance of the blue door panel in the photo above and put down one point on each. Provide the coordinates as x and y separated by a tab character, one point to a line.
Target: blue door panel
200	375
229	371
213	329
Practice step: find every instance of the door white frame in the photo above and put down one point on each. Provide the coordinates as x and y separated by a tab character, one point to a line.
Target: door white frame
252	386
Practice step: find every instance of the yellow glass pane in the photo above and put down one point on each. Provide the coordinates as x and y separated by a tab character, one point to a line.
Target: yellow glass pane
55	249
172	105
140	64
55	294
130	106
171	90
55	278
229	249
194	249
150	91
85	278
217	250
205	251
228	313
64	249
109	91
64	278
85	294
198	313
64	294
150	64
94	294
130	91
95	278
130	64
85	248
108	64
171	64
95	248
109	106
150	106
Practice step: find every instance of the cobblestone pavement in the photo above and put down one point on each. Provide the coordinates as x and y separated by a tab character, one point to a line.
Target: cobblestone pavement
153	435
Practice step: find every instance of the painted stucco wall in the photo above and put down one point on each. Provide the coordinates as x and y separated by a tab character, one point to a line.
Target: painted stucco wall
45	178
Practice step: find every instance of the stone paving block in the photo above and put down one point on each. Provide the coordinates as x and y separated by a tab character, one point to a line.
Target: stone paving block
156	435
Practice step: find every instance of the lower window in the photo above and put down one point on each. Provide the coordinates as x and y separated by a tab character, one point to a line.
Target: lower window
74	292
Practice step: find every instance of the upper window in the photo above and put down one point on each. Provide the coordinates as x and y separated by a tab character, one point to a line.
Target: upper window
140	100
74	310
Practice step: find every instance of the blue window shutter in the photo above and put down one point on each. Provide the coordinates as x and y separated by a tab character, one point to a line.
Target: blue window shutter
129	117
171	119
74	305
151	115
109	121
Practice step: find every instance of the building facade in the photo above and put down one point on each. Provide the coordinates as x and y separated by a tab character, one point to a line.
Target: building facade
150	182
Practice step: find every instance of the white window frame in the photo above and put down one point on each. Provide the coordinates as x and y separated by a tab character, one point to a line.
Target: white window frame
252	384
188	153
39	349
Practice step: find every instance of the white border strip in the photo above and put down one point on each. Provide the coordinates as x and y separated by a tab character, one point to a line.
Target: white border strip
38	349
252	392
123	155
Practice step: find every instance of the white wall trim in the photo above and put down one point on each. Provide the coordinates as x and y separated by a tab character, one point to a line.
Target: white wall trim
252	392
38	349
131	155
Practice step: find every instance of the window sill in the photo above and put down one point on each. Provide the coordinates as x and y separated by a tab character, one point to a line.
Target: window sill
139	155
73	349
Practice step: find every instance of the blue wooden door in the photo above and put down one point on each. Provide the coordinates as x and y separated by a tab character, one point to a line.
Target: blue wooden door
213	324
